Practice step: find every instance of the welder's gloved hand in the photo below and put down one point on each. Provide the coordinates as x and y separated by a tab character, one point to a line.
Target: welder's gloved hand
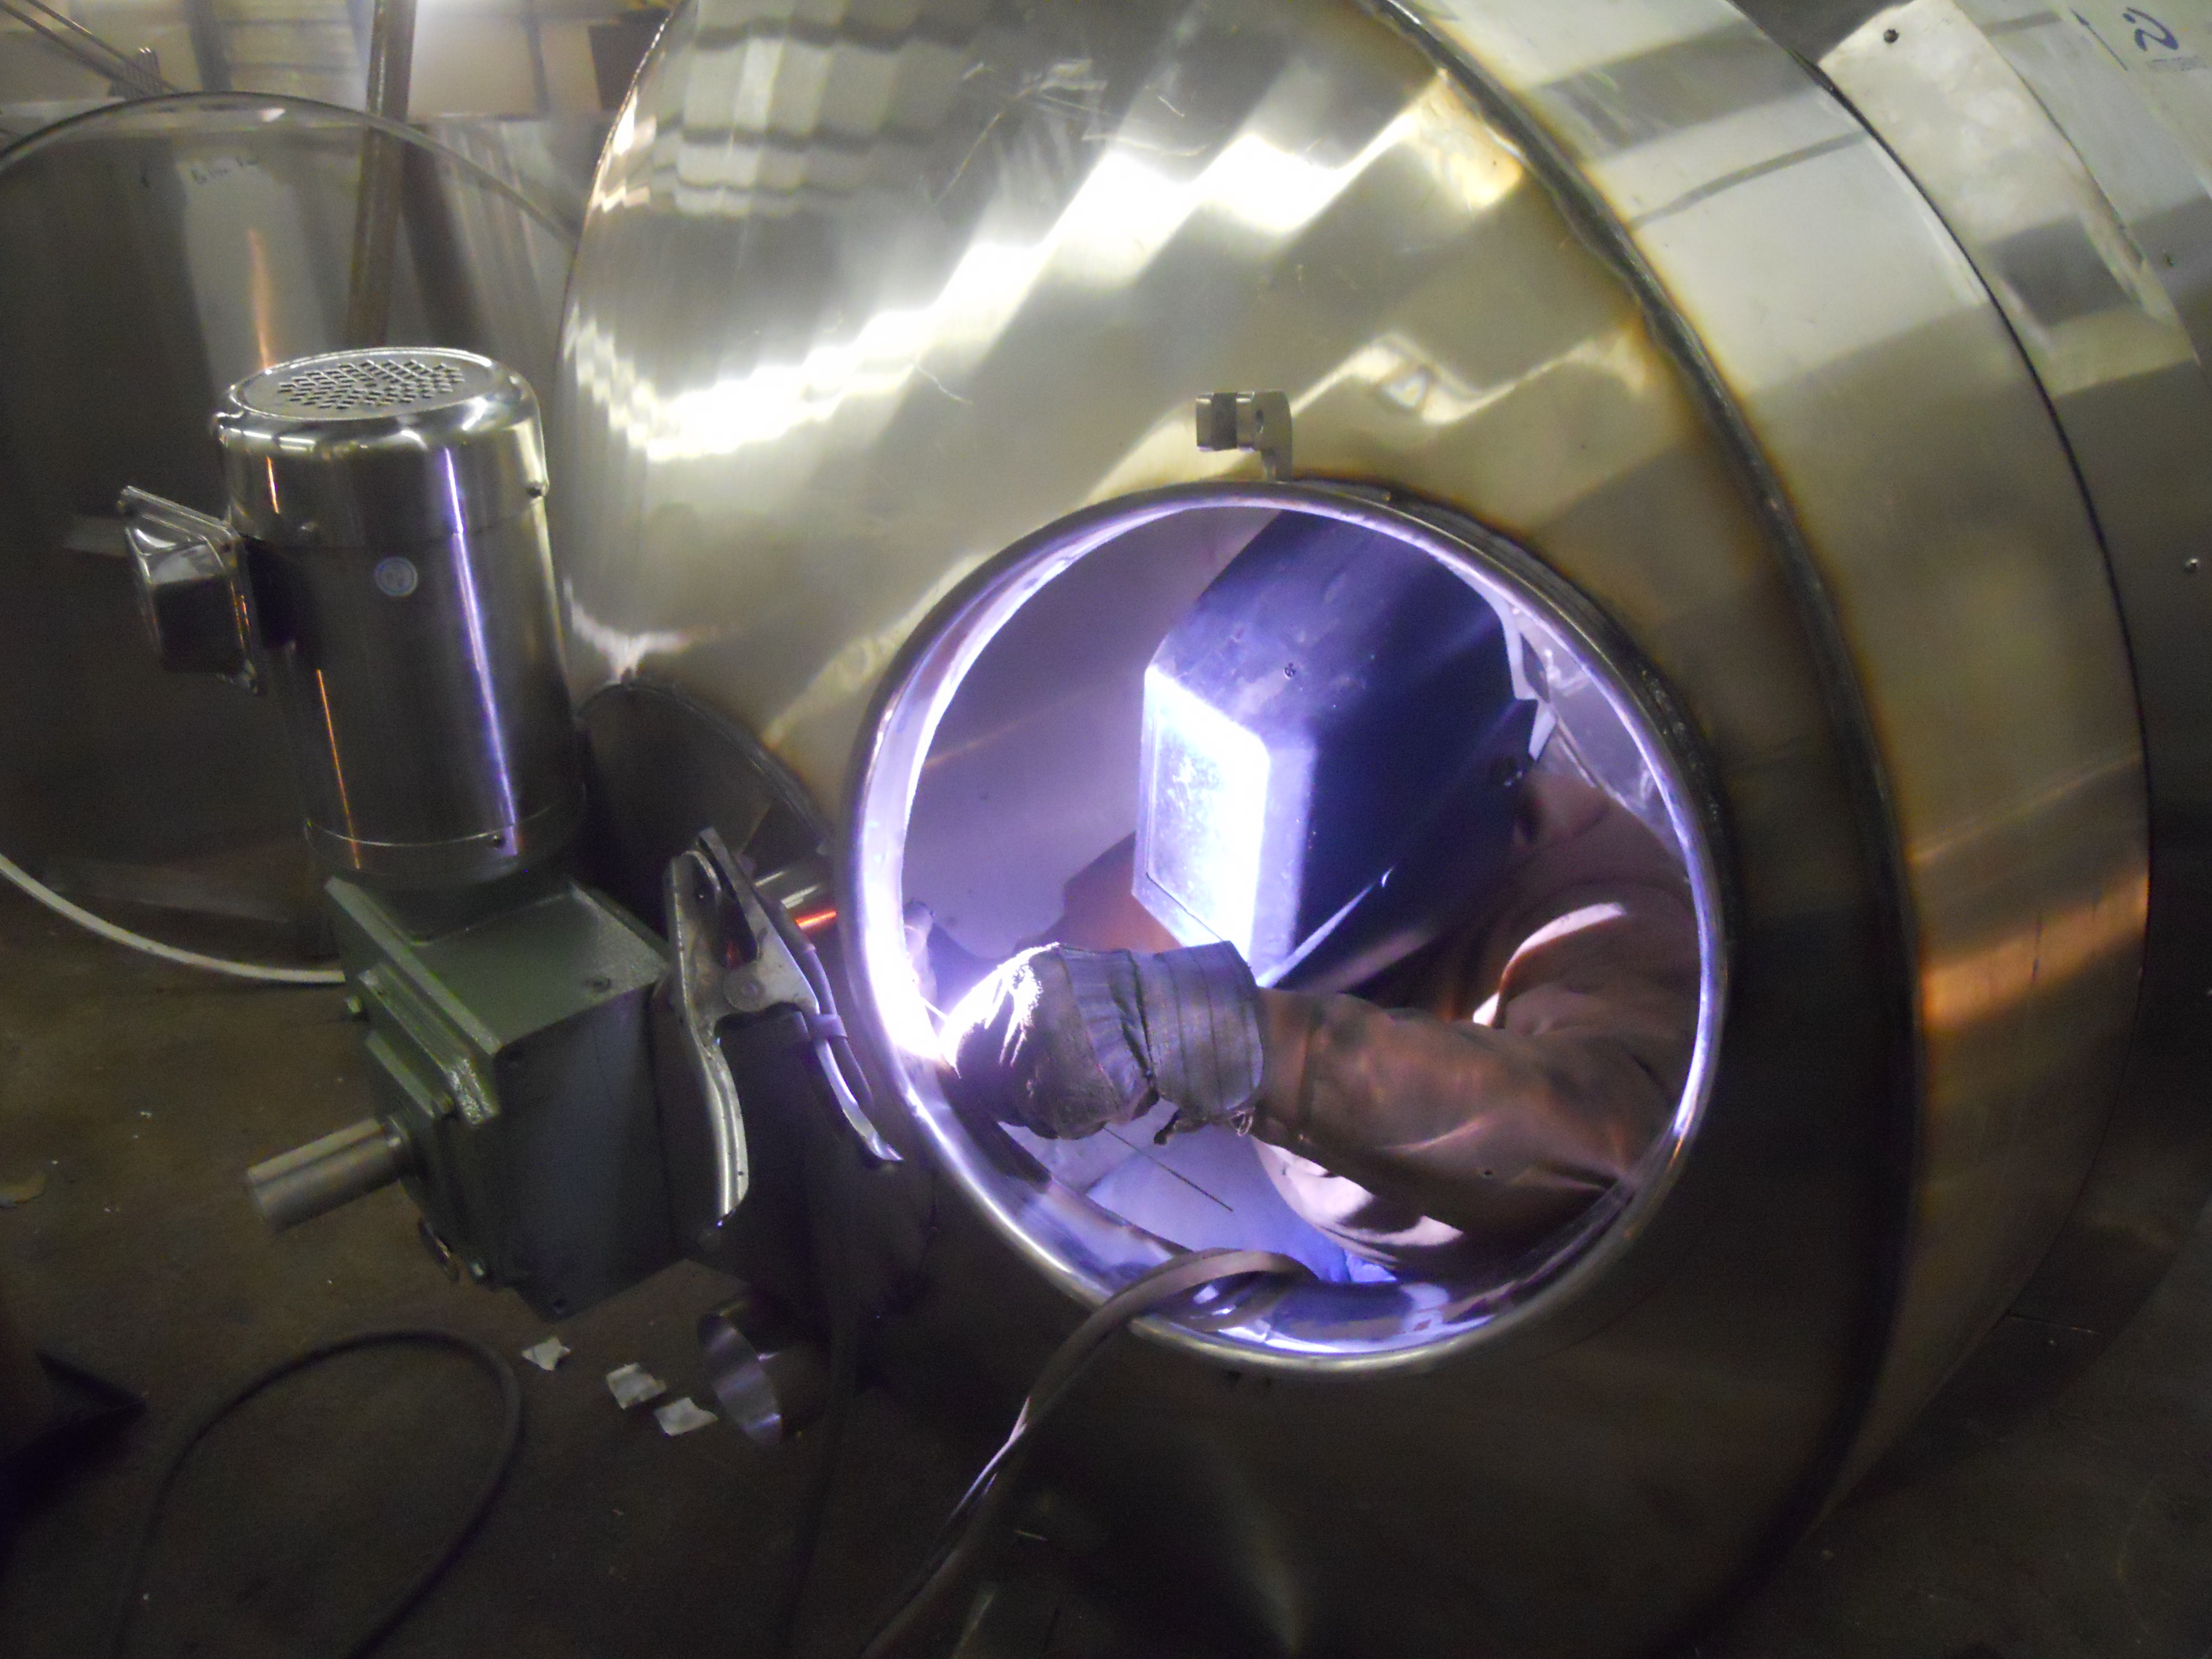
1063	1043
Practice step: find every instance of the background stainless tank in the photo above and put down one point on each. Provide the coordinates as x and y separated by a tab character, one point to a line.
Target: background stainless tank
1841	366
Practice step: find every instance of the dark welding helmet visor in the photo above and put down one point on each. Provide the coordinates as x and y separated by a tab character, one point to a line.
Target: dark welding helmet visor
1336	736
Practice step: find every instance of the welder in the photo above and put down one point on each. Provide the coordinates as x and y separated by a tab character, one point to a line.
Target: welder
1376	914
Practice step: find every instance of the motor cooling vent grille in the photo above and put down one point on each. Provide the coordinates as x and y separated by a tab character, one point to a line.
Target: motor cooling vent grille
368	384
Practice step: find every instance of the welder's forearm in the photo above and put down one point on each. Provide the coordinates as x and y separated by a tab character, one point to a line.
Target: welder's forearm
1485	1130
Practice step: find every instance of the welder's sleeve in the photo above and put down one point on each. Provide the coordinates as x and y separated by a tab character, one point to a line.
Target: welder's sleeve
1063	1043
1400	1128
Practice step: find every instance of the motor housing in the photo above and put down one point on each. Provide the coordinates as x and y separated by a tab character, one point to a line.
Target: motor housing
396	565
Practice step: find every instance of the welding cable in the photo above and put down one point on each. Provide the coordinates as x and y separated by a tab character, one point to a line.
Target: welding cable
259	972
968	1530
492	1364
832	1200
840	1066
831	1174
845	1071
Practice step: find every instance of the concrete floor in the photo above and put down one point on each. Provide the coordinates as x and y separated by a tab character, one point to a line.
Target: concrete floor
2086	1532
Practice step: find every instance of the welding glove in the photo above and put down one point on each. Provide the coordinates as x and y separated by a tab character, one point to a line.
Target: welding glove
1063	1043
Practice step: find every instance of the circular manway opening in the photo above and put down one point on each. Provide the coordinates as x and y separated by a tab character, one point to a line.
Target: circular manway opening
1053	761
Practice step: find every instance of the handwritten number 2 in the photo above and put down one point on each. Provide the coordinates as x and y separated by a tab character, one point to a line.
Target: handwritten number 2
2150	32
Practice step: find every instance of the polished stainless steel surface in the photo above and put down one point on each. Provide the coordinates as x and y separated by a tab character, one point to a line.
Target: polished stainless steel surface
1951	552
2064	151
392	503
708	1148
1069	235
662	768
173	248
856	311
191	588
382	447
769	1380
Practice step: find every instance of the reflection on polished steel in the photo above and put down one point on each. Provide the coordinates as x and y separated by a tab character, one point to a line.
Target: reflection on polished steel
191	588
1952	556
156	253
770	1381
2086	249
720	1168
857	310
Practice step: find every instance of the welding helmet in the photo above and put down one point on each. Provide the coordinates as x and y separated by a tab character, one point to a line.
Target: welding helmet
1336	736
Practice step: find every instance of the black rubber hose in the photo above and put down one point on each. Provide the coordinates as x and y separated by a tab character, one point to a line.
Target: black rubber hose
968	1529
495	1365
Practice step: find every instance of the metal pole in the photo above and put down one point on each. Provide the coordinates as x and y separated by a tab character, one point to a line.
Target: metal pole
534	36
383	155
205	30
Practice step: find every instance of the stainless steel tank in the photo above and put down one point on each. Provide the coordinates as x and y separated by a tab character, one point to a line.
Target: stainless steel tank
1823	384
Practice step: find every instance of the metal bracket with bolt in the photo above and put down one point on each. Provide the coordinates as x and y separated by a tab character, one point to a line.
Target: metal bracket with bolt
1256	421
